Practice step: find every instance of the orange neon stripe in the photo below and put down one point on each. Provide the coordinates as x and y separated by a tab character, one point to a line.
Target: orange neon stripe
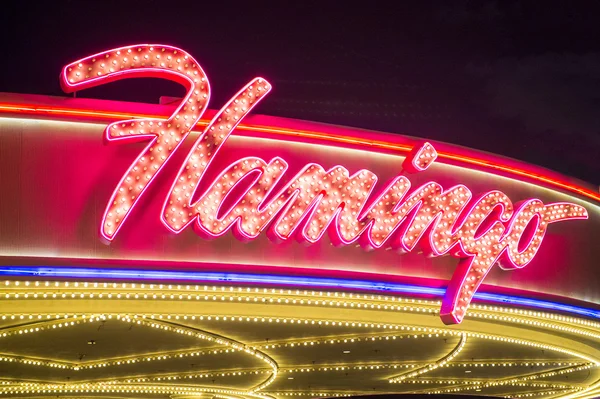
8	108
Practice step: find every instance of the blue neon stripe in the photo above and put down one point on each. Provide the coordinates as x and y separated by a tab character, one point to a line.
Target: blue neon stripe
72	272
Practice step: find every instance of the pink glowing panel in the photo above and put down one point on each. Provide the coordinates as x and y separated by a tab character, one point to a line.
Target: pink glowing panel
480	232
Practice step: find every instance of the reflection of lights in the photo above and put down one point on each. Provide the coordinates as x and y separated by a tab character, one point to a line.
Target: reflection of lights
392	288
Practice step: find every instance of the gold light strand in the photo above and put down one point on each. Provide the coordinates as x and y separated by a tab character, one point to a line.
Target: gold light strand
348	323
86	388
440	363
515	381
424	305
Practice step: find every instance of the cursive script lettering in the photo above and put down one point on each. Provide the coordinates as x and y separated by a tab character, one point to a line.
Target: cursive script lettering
480	232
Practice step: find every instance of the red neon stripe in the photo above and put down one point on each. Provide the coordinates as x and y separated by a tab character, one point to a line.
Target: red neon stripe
508	169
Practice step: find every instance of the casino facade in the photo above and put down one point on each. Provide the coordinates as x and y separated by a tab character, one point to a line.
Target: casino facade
176	251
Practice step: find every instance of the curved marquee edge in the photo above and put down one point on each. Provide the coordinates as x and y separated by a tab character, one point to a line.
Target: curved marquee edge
289	281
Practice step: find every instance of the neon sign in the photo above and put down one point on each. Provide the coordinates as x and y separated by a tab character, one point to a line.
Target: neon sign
480	232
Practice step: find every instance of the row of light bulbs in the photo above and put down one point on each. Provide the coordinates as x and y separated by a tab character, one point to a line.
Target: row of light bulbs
426	306
130	319
517	380
440	363
346	367
352	339
184	376
289	292
393	327
56	389
312	394
331	303
230	345
191	353
545	393
432	381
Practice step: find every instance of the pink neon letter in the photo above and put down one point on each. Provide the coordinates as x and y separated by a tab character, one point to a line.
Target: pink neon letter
165	136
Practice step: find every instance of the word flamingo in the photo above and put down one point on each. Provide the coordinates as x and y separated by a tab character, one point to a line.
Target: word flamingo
480	232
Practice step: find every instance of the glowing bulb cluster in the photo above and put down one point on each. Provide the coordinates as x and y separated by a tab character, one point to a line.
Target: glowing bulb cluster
165	136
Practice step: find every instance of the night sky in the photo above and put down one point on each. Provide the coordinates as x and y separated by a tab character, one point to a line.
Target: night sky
521	79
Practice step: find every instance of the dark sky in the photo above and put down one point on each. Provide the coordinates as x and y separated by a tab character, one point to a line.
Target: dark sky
520	79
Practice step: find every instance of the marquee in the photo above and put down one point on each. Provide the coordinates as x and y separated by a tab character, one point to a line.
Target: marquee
315	199
186	194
